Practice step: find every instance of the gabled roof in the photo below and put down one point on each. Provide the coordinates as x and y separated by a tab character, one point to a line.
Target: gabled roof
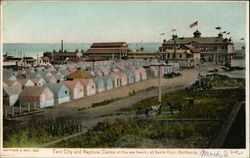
192	48
11	83
108	44
12	90
36	80
71	84
32	91
79	75
106	50
24	81
55	87
44	58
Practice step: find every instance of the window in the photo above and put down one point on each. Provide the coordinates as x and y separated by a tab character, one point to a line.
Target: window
168	55
180	55
93	86
66	92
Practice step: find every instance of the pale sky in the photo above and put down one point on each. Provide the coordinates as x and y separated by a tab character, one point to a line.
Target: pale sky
87	22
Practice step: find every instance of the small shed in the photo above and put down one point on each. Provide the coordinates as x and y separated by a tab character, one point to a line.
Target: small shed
38	81
61	92
11	95
38	96
88	85
143	74
136	74
99	84
151	72
122	78
130	76
25	82
161	68
168	69
108	82
76	89
115	80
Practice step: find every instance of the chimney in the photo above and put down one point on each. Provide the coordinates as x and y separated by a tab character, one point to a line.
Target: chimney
62	45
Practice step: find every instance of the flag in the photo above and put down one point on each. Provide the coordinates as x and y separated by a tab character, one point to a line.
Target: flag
162	34
218	28
173	30
228	33
193	24
224	32
242	39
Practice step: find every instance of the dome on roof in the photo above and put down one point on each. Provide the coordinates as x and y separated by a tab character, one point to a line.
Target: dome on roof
220	35
197	33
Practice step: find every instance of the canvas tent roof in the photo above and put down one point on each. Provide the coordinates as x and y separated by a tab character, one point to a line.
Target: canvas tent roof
55	87
12	90
32	91
79	75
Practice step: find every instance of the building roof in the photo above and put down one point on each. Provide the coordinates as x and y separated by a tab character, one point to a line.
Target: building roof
32	91
44	58
79	75
106	50
36	80
108	44
55	87
24	81
48	78
71	84
12	90
75	59
12	83
192	48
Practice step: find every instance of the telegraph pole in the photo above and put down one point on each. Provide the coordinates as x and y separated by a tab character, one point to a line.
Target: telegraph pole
159	96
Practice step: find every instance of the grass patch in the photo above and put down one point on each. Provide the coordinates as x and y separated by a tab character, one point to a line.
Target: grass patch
34	133
133	134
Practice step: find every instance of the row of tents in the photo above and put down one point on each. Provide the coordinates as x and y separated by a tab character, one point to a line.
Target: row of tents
49	86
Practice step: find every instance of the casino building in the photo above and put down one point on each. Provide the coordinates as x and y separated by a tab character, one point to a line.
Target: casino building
216	49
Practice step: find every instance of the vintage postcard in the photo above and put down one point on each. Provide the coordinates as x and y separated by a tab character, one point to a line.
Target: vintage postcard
125	79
